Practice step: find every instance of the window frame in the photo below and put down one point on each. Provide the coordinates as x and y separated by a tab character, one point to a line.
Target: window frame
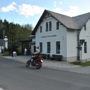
41	47
85	27
50	26
85	47
48	47
40	29
57	47
57	25
46	26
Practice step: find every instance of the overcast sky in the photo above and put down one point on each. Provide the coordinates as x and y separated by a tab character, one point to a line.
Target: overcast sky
29	11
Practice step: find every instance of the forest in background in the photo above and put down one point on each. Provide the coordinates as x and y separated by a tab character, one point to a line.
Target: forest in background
15	33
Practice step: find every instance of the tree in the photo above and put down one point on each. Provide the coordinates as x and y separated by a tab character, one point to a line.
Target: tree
2	29
28	26
14	32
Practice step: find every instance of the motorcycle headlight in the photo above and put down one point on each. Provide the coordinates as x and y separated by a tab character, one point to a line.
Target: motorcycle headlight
41	60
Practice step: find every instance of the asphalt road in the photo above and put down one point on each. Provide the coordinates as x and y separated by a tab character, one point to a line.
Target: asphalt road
14	76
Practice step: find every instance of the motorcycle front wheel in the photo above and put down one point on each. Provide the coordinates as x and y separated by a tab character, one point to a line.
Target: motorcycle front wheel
38	66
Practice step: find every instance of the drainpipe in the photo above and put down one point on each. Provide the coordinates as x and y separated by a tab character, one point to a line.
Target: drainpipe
78	45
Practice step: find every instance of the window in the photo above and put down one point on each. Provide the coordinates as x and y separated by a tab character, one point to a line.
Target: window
85	47
48	47
58	47
41	47
40	29
84	27
50	26
57	25
46	26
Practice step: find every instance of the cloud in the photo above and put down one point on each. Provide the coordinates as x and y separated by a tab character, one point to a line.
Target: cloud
23	9
72	11
29	10
9	8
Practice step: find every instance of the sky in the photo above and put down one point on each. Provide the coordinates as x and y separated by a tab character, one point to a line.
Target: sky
29	11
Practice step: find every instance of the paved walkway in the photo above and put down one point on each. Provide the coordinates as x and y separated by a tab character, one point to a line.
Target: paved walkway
59	65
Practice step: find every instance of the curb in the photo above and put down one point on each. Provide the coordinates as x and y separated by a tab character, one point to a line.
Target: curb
55	65
49	64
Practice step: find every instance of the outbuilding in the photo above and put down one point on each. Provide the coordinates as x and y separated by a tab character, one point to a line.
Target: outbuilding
60	35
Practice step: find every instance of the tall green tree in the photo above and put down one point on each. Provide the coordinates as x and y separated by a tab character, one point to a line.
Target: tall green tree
14	32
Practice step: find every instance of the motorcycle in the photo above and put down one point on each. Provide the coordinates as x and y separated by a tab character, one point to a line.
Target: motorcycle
35	62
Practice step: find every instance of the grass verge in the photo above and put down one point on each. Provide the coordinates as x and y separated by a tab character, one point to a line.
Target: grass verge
82	63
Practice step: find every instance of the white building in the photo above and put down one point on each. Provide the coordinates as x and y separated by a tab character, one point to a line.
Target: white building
57	34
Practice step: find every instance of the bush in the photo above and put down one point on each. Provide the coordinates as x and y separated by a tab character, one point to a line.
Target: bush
6	53
19	51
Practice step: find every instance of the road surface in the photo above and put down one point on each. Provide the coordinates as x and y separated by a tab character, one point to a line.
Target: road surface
14	76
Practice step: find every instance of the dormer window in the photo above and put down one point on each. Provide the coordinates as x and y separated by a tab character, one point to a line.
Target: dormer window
57	25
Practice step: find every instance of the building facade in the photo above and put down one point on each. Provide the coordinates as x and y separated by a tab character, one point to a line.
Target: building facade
57	34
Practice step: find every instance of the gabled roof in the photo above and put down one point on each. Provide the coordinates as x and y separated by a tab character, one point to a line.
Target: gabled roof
76	22
81	20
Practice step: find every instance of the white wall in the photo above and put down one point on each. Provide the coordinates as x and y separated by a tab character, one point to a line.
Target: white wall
71	43
85	34
67	38
52	36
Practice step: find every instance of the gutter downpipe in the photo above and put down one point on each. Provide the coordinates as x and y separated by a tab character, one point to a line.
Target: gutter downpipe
78	45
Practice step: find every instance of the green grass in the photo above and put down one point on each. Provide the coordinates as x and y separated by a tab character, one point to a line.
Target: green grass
6	53
82	63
